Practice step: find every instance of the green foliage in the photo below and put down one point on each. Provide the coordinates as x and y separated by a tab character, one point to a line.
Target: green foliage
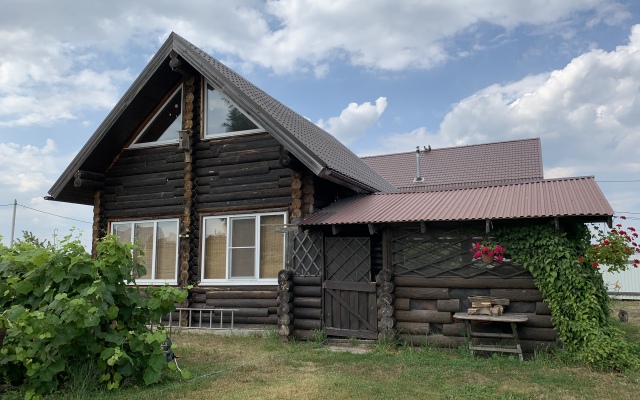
612	248
574	291
61	308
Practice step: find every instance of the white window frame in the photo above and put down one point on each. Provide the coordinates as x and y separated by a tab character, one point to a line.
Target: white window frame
153	281
256	280
136	145
207	134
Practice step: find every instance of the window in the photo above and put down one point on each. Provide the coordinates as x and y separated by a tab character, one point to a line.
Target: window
243	248
158	240
164	126
223	118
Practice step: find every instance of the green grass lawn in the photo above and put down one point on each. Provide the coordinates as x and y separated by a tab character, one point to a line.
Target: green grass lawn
262	367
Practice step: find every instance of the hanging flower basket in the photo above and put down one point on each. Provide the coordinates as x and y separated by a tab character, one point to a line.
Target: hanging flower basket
487	251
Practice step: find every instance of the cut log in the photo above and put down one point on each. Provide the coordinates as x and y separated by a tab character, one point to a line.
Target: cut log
285	286
387	286
284	330
307	313
488	301
384	276
311	302
386	310
286	319
285	297
386	323
285	308
385	299
435	317
300	323
402	304
285	275
387	335
452	305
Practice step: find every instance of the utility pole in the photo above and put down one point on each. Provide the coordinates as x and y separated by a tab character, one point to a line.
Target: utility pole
13	221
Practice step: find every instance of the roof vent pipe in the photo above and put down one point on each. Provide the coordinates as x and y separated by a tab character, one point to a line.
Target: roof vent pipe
419	177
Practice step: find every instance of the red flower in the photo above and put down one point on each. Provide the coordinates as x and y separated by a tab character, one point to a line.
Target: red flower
580	260
606	242
619	225
595	265
631	228
614	231
596	245
623	217
636	261
635	235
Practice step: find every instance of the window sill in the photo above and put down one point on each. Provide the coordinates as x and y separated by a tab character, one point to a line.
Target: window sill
238	282
156	282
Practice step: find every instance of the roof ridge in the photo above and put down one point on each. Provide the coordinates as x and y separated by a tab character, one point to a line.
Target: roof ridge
455	147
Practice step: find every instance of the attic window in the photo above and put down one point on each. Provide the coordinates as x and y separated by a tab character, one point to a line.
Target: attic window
223	118
164	126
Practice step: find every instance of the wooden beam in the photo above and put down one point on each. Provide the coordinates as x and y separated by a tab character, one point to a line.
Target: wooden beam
423	227
88	184
556	221
372	229
487	227
335	229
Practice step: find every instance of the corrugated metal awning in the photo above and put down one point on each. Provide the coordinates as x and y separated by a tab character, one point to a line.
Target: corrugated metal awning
545	198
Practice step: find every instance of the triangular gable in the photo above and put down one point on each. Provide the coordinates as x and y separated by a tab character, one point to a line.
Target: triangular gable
315	148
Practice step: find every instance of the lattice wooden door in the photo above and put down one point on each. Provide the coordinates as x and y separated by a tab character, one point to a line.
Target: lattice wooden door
349	295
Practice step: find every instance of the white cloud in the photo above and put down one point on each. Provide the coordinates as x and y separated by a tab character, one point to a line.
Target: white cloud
354	120
23	167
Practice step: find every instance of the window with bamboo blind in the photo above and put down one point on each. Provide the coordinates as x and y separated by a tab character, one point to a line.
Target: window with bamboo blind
241	248
157	247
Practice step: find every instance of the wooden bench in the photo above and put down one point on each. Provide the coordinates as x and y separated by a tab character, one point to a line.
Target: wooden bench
509	318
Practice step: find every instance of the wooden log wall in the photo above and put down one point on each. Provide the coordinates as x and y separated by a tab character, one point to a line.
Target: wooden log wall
145	182
425	307
257	305
307	306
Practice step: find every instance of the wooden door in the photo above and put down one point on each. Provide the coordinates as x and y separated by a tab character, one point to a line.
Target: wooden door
349	295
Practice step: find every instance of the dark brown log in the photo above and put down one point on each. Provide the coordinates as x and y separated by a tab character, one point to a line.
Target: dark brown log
237	158
285	286
93	176
285	308
199	298
88	184
149	211
402	304
308	190
307	291
205	207
456	329
307	280
385	299
542	308
241	294
285	297
388	287
538	321
238	312
475	283
308	199
386	323
521	307
384	276
432	340
307	313
245	195
418	304
415	328
284	330
452	305
310	302
252	169
242	188
517	294
235	288
307	323
435	317
386	310
242	303
387	335
286	319
422	293
285	275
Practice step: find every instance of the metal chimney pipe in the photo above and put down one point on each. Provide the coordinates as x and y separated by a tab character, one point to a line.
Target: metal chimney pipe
418	176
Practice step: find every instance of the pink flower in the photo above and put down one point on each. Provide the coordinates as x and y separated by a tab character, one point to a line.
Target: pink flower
499	258
486	250
580	260
477	255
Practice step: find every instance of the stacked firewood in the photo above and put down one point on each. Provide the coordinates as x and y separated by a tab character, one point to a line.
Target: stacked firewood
285	304
485	305
386	310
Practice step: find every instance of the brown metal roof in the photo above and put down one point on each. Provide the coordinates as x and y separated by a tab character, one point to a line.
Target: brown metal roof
465	166
545	198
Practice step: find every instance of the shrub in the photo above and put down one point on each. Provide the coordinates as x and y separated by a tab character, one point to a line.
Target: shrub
62	308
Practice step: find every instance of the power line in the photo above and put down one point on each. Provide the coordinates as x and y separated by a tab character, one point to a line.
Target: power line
55	215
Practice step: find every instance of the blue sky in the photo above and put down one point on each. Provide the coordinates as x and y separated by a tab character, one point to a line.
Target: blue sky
381	76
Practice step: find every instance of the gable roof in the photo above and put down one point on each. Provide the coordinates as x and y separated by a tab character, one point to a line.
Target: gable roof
578	197
464	166
317	149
